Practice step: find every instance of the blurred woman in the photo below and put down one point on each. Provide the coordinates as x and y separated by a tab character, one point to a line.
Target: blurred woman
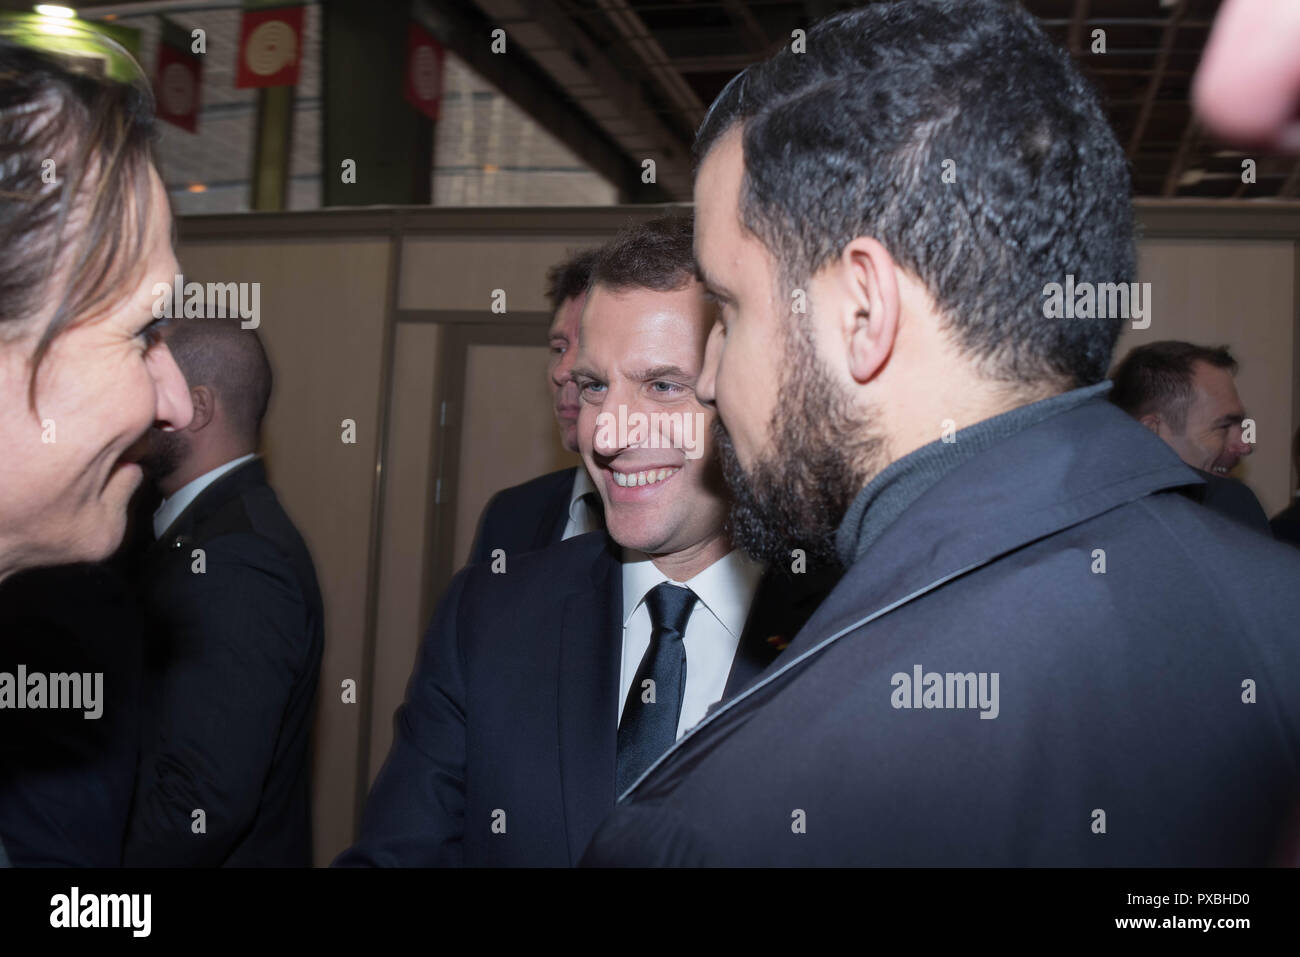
85	235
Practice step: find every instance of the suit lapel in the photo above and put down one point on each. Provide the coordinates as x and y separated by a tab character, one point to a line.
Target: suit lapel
781	606
591	629
550	529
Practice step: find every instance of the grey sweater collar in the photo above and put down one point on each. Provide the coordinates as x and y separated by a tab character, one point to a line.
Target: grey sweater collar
901	483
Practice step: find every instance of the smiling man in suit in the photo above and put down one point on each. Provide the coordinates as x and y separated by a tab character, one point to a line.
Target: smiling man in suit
543	692
558	505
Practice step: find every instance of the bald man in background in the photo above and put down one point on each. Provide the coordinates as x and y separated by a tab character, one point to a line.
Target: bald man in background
234	630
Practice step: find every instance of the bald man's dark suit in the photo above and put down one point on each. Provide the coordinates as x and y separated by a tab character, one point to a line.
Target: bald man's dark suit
525	517
232	662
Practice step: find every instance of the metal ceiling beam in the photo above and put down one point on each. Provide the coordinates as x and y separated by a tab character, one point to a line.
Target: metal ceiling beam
1191	134
719	63
585	70
1291	187
749	28
1157	75
466	34
653	59
1077	20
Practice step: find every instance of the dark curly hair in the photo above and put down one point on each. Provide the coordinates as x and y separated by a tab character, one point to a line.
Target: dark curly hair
853	137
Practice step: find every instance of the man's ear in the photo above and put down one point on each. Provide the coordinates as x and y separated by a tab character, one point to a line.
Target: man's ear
1152	421
871	305
204	403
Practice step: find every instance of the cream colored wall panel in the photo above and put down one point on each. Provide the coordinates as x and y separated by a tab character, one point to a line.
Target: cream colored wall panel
509	432
414	390
322	313
1237	293
461	273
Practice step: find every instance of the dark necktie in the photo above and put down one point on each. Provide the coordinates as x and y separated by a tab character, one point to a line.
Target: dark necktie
649	728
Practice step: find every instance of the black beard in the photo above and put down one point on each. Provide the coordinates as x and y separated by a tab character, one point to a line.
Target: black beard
164	455
796	492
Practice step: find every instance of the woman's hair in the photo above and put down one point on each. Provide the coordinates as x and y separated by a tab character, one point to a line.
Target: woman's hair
75	157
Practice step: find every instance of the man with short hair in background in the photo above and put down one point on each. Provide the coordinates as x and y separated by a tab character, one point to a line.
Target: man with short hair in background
1185	394
559	505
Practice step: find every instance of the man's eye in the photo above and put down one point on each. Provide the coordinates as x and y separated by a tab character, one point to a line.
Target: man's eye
557	349
589	386
668	387
151	334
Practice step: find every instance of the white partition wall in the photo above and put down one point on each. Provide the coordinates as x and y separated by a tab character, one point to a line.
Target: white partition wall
385	317
1242	295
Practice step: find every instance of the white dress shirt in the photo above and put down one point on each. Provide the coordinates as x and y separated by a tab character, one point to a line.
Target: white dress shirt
171	508
583	517
725	591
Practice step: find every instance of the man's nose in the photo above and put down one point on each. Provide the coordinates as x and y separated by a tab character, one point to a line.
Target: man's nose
563	369
560	369
173	409
614	423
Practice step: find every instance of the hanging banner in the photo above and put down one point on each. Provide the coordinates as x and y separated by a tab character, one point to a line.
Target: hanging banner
424	60
270	48
178	80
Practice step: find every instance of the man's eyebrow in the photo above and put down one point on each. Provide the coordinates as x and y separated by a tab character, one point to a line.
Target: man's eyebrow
1232	418
711	285
583	371
663	372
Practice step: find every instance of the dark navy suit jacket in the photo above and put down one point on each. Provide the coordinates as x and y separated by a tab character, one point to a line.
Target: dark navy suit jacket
1232	498
1123	736
231	666
525	517
65	781
511	716
1286	525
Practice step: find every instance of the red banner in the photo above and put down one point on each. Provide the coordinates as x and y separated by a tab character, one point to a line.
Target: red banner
270	48
177	85
424	58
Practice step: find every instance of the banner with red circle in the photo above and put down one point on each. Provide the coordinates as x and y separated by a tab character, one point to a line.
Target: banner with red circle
270	48
424	61
177	85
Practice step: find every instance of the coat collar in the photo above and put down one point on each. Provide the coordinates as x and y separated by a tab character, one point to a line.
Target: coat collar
228	487
1058	473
